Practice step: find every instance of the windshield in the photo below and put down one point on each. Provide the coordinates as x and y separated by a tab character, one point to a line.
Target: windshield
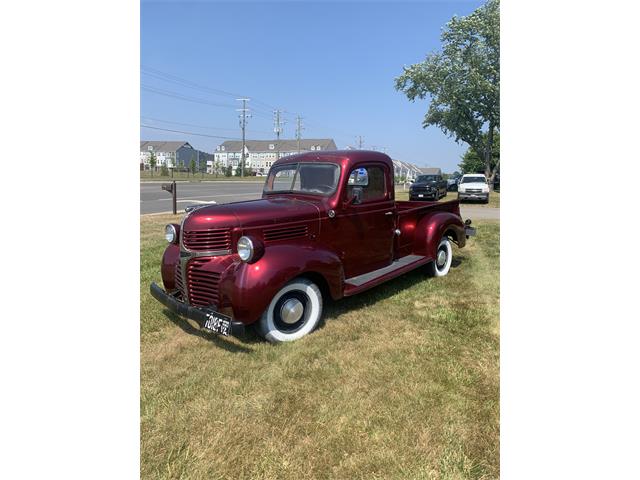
310	178
473	180
426	178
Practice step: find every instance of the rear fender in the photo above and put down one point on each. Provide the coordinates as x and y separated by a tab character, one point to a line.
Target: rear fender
432	228
250	287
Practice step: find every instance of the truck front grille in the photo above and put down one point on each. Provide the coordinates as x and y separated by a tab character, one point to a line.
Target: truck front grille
207	240
473	190
178	280
202	284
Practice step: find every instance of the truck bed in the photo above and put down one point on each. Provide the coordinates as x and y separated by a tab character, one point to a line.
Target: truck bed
405	207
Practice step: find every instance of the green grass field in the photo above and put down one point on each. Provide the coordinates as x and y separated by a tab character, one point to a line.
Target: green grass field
494	198
198	177
401	382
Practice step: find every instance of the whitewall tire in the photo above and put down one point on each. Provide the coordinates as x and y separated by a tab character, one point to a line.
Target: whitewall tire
444	256
294	312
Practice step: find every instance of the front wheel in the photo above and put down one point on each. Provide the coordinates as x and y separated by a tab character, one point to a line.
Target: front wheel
442	263
294	312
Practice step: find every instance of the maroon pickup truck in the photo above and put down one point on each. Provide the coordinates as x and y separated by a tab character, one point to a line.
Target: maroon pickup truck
327	226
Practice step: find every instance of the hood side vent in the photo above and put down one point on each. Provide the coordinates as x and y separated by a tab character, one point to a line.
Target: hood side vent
285	233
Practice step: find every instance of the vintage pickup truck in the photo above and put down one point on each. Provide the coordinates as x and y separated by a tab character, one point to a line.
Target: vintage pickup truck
327	226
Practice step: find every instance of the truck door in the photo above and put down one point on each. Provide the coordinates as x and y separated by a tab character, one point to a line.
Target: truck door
364	227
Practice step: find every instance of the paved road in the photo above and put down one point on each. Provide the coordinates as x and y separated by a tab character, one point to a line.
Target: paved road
155	200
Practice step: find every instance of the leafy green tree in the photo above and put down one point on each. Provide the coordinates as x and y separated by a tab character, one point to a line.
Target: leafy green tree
153	161
192	165
462	81
164	171
473	161
228	171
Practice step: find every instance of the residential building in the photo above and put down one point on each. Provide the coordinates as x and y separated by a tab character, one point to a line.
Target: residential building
172	154
430	171
405	170
260	154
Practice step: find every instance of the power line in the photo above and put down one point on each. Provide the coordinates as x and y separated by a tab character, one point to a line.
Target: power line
258	112
169	93
206	127
168	77
187	133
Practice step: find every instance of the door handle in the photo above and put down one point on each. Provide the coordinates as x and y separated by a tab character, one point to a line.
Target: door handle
388	213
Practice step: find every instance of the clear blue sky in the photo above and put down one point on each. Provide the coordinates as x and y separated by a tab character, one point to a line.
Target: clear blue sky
333	63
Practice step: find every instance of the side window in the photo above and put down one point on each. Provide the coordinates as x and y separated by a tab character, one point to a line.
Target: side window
370	180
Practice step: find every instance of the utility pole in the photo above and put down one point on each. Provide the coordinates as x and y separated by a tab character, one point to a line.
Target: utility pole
277	128
277	123
244	115
359	142
299	129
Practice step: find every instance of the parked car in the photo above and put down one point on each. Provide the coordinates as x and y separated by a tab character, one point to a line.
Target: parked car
327	226
428	187
452	183
473	186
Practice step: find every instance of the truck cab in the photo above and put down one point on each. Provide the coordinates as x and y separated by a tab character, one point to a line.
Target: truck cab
327	226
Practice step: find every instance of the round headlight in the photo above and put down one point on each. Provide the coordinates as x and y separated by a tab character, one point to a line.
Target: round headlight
170	233
245	249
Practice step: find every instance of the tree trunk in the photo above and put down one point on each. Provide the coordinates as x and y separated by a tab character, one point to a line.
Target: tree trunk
488	152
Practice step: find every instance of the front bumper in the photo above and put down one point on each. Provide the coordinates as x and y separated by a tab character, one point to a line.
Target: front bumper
473	196
197	314
413	196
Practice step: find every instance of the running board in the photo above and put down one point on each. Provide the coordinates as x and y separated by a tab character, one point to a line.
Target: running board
402	265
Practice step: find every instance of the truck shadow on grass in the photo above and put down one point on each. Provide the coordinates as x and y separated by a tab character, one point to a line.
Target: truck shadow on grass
248	338
332	309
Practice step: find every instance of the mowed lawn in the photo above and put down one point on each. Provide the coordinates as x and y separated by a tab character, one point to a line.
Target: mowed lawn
401	382
494	198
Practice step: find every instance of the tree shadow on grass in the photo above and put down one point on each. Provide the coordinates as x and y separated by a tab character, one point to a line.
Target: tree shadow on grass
248	337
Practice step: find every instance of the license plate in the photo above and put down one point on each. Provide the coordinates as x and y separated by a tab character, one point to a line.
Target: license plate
218	323
420	195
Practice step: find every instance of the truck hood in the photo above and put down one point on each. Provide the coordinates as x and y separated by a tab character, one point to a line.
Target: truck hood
424	184
252	213
480	185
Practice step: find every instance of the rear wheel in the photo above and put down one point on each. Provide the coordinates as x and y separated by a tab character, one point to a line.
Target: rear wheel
294	312
442	263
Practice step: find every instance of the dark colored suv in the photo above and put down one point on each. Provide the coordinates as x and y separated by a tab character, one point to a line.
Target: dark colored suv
428	187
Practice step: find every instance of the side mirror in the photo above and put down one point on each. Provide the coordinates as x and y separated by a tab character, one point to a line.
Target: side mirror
356	197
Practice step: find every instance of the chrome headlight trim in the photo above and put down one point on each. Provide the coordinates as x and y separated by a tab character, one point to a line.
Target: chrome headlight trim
170	233
245	248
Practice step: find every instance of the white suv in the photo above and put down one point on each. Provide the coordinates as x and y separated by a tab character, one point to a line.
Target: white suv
473	186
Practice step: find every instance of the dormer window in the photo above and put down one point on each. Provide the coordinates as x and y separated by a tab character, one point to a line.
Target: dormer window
150	148
222	148
317	147
313	147
271	146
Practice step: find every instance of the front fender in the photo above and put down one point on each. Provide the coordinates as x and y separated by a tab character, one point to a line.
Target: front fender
250	287
431	229
170	259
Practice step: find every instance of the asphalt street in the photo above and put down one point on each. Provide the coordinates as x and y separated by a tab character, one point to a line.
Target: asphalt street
155	200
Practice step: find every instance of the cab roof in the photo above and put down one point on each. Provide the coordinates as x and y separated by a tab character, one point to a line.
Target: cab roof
346	158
